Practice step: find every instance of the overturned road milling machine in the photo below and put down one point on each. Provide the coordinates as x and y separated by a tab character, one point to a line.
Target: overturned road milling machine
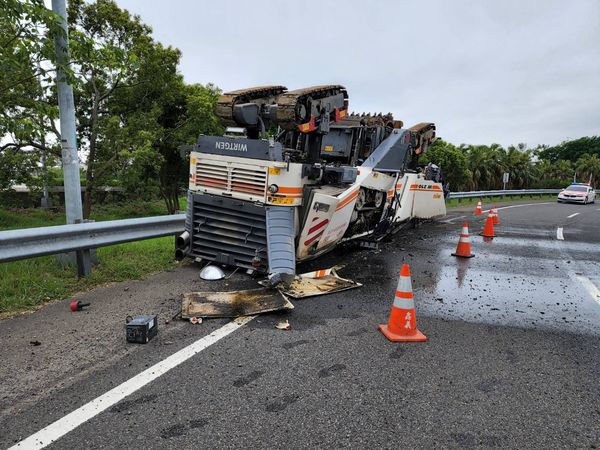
323	177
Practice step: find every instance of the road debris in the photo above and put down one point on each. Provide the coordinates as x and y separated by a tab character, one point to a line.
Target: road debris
211	273
195	320
319	282
141	329
76	305
35	343
233	304
285	325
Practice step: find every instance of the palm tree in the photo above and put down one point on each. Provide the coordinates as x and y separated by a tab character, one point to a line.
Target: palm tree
588	166
485	166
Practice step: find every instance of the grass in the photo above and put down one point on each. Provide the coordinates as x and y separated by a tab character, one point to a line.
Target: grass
27	284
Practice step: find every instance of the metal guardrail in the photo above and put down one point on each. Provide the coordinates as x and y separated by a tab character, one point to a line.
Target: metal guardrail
474	194
32	242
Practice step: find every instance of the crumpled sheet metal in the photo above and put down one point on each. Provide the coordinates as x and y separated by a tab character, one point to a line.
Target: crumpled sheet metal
319	282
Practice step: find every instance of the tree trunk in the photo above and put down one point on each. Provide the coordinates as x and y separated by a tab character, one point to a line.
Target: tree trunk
170	194
89	175
171	173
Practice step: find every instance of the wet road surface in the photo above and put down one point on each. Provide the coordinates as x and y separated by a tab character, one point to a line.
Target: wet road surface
512	360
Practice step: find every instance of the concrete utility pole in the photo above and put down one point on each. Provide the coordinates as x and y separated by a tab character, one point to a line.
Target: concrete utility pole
70	159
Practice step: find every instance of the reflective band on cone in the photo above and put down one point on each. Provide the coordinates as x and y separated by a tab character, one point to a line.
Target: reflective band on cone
496	219
463	249
402	324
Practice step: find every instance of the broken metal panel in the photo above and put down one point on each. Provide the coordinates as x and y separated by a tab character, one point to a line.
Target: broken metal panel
320	282
233	304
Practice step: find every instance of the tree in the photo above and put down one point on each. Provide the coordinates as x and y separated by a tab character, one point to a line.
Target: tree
155	116
554	174
588	167
572	150
134	108
453	162
28	113
108	48
517	161
484	163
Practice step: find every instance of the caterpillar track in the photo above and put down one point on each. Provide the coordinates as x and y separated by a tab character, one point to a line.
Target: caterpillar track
261	95
292	108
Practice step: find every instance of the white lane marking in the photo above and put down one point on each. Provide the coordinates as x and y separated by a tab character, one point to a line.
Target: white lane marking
503	207
572	215
454	218
559	234
81	415
590	287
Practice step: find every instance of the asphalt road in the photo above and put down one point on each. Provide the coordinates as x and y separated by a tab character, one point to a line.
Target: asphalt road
512	359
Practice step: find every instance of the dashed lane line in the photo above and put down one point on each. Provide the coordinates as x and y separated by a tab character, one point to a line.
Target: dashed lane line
559	234
68	423
572	215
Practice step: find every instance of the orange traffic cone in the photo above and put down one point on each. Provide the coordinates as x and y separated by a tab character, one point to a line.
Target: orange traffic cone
402	324
496	219
488	229
463	249
478	208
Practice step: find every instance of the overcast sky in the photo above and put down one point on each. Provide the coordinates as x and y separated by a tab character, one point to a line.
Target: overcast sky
483	71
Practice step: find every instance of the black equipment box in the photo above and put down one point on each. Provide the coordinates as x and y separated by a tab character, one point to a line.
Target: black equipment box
141	329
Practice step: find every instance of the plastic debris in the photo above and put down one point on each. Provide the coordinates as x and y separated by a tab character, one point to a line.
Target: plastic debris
285	325
195	320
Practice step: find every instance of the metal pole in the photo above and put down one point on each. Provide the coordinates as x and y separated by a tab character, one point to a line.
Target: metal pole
70	159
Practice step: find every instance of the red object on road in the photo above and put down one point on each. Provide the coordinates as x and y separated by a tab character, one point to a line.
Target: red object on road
478	208
496	218
76	305
402	324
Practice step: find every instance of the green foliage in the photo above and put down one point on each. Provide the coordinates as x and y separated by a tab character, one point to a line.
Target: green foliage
480	167
571	150
453	162
29	283
588	167
133	108
27	115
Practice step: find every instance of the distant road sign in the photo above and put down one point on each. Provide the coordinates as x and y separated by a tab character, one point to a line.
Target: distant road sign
505	177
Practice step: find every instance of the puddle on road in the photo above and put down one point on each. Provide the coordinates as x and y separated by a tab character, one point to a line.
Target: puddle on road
474	291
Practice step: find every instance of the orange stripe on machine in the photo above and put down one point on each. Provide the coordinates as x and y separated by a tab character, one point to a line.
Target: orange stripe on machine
347	200
289	190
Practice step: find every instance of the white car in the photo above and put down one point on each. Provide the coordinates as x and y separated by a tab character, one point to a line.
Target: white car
578	193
